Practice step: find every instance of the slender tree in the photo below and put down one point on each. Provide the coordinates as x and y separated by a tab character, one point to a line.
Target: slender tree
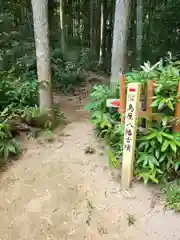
104	33
139	32
61	15
97	26
102	29
92	24
70	18
120	34
41	34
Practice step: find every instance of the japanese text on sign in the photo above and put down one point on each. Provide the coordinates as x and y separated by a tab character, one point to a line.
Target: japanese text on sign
132	108
129	120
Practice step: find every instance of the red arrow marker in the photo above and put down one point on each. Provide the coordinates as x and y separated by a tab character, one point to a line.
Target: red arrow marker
116	103
132	90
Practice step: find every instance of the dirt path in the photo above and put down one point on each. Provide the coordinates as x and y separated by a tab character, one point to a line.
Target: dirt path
57	192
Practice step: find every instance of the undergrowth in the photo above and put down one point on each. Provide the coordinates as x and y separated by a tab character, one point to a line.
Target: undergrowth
172	195
19	110
157	148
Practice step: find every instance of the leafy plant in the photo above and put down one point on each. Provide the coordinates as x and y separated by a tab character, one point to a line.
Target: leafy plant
172	195
33	117
105	121
157	155
49	135
8	145
17	92
113	161
158	149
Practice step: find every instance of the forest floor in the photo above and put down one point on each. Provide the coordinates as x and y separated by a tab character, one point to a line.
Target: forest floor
56	191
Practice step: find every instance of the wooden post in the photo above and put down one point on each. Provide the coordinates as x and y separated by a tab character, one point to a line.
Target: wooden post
150	94
177	112
132	108
122	108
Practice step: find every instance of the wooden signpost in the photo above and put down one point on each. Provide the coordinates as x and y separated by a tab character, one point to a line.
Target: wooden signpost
132	108
131	112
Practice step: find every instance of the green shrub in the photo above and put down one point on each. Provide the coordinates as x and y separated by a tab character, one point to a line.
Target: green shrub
172	195
105	122
17	92
8	145
157	155
158	149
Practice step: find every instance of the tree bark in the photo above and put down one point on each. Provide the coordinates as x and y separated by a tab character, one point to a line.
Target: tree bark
61	22
91	24
79	34
106	39
70	17
111	11
131	45
139	32
41	34
97	26
120	34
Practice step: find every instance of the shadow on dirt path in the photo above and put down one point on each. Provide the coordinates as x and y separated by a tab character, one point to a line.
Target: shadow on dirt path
56	191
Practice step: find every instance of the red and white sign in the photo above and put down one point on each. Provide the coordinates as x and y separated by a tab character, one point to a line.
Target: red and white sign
132	90
113	102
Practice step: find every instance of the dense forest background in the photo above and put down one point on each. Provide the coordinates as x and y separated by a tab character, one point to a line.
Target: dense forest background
86	27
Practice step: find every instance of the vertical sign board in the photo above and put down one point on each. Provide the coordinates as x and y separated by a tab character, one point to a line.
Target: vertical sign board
132	108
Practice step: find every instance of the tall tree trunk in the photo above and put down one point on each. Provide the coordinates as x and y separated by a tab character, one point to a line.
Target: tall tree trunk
97	27
132	35
104	36
79	33
110	34
92	24
147	33
70	22
139	32
102	30
41	32
120	33
61	15
86	24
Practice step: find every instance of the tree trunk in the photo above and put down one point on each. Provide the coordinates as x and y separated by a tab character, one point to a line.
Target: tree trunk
61	15
97	26
110	34
101	38
70	22
41	32
79	33
86	24
132	35
139	32
120	33
92	24
104	36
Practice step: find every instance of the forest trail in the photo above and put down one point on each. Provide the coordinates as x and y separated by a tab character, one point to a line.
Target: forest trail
57	192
